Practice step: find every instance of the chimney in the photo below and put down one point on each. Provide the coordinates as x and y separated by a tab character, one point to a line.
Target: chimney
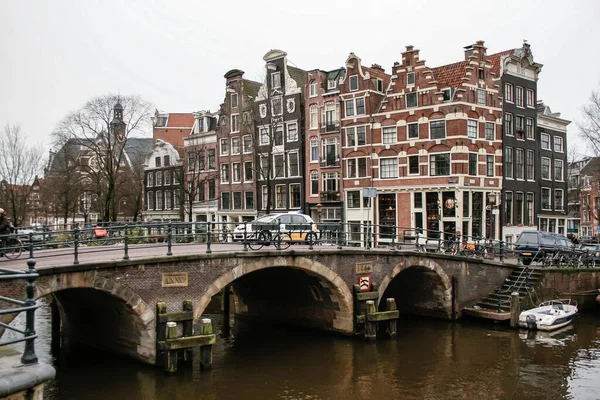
468	51
410	56
377	67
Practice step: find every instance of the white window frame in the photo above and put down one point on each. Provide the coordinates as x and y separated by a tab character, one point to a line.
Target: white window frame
432	157
561	206
559	166
314	176
233	172
291	137
529	133
275	80
445	130
331	84
224	171
530	155
274	101
249	149
289	164
410	76
389	134
549	168
490	165
544	146
509	160
391	171
472	128
519	97
416	99
234	104
408	130
509	92
235	122
314	144
313	116
263	133
559	144
549	197
233	145
251	170
313	89
353	81
224	147
532	98
290	195
481	96
492	136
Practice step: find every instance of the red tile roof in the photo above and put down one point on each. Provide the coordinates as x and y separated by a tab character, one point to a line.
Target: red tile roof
450	75
180	120
495	60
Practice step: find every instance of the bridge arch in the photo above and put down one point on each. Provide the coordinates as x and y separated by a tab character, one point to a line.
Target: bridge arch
418	271
82	301
329	282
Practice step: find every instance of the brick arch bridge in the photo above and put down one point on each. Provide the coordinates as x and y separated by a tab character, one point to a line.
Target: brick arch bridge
112	304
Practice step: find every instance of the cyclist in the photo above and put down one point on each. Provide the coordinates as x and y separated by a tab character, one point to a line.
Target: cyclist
6	228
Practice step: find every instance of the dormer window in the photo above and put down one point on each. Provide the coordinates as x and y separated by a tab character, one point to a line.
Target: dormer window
410	78
275	80
314	89
157	161
379	85
234	100
331	84
447	94
353	83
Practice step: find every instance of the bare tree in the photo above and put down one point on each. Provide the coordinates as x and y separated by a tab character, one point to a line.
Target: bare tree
19	165
102	128
589	126
196	177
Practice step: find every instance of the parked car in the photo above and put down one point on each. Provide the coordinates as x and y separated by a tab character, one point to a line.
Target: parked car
592	250
284	220
535	245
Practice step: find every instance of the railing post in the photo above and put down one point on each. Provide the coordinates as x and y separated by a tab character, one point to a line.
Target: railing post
208	233
368	246
29	356
279	234
126	244
169	239
501	251
339	236
394	238
245	237
499	303
310	238
75	245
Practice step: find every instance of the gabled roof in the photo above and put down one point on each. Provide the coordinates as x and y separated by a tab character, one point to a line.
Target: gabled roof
180	120
297	74
251	88
137	148
450	75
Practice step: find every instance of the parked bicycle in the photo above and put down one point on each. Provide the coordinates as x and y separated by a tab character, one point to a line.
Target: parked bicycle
256	240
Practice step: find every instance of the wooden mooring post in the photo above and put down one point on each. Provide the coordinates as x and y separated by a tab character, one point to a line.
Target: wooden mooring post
368	318
169	345
515	309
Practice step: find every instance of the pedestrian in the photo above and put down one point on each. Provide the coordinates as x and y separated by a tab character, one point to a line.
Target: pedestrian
5	229
421	241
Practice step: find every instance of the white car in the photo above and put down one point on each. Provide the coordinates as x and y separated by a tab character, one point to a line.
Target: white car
308	233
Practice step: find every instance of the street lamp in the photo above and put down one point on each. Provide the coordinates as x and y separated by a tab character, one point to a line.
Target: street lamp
319	209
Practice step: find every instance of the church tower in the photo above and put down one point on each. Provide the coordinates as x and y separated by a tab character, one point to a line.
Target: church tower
117	126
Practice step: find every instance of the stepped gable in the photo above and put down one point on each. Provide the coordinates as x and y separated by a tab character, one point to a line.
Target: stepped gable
496	58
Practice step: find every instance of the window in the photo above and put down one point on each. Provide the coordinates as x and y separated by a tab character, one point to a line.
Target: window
235	145
362	167
519	96
294	195
545	168
530	98
314	89
292	132
473	161
157	161
481	96
236	172
489	131
558	170
265	199
235	123
278	137
389	135
379	85
331	84
275	79
314	117
545	141
278	166
234	100
224	172
529	129
211	159
167	175
437	129
212	193
277	106
248	173
508	124
330	181
508	161
413	131
558	199
349	108
176	173
151	179
314	183
546	199
237	200
356	167
529	209
247	144
225	200
159	200
356	136
314	149
330	116
360	106
159	180
353	83
520	127
264	135
481	74
472	128
411	100
330	152
224	147
167	160
519	163
413	165
439	164
519	207
558	144
529	165
150	200
489	165
293	164
249	200
508	207
191	159
198	191
410	78
200	157
388	168
354	199
508	92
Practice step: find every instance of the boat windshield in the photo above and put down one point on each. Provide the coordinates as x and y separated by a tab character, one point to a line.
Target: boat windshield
558	305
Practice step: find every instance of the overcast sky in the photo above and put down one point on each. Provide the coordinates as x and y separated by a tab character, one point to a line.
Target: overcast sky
57	54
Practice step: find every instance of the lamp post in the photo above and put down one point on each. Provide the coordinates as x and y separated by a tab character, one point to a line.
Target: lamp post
319	209
491	199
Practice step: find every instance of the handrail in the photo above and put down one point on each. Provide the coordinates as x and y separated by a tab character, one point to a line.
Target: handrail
28	306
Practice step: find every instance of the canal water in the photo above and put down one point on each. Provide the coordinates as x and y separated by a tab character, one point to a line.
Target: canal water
429	359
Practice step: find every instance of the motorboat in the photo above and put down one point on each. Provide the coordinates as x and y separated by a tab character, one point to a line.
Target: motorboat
549	315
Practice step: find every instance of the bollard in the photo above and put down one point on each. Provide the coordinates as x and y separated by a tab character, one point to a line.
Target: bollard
226	311
29	356
515	309
161	330
206	351
390	305
126	244
245	237
75	246
169	239
370	327
171	364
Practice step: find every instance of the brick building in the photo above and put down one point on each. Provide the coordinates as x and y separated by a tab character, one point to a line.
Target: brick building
172	127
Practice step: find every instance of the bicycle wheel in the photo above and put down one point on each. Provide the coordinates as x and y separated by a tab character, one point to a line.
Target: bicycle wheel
13	249
282	241
257	240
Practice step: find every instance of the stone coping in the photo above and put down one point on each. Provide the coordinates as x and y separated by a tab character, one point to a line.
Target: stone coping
15	376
